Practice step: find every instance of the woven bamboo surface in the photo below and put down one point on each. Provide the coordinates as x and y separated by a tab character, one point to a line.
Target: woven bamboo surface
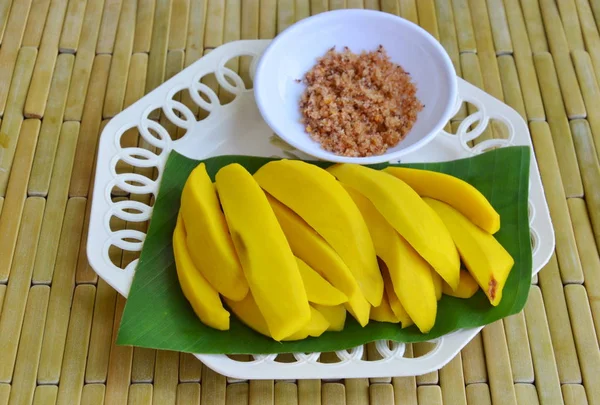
67	66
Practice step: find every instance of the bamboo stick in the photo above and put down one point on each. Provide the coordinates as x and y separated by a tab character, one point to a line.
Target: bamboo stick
215	17
309	392
518	348
142	369
108	26
333	394
189	393
478	394
464	26
69	39
213	387
119	364
45	395
452	382
144	22
535	25
498	363
93	394
499	24
357	391
141	394
526	394
261	391
179	25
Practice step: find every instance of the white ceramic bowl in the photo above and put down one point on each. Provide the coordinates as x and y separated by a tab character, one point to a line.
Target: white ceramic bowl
295	51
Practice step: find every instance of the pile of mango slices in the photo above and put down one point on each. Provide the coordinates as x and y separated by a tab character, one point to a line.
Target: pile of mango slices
294	247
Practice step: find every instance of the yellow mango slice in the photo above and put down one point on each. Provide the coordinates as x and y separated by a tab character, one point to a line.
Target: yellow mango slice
359	308
315	327
453	191
467	287
414	220
410	274
208	239
437	283
318	290
322	202
267	260
203	298
309	246
335	315
395	303
384	313
485	258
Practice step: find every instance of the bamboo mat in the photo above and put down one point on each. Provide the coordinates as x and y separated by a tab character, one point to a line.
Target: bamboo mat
66	67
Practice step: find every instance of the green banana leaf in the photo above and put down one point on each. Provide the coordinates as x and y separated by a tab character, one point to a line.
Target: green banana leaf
157	315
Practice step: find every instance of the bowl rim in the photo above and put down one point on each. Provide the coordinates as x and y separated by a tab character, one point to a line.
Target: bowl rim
262	102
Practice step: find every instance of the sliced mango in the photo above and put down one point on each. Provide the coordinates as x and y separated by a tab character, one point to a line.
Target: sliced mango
267	260
359	308
209	243
467	287
335	315
202	296
437	283
315	327
485	258
322	202
410	274
408	214
309	246
453	191
384	313
318	290
395	303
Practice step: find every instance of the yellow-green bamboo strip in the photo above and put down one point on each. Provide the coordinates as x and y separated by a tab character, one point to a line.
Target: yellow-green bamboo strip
452	382
215	18
472	74
84	60
101	333
500	31
119	364
526	394
166	377
213	387
61	293
158	48
589	262
309	392
570	22
143	25
510	84
286	393
544	364
590	171
2	292
16	292
518	348
566	247
190	368
76	347
535	26
574	394
9	51
473	359
357	391
478	394
41	172
381	394
108	26
69	39
174	66
119	67
56	204
558	321
591	36
4	393
189	393
142	369
448	38
303	7
559	127
15	199
140	394
333	394
237	394
590	91
90	128
195	41
4	9
585	340
93	394
429	395
560	51
464	26
45	395
46	59
249	30
421	349
408	10
427	17
35	23
524	61
261	391
13	118
498	363
232	27
316	6
388	6
179	24
341	4
30	344
374	5
286	14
